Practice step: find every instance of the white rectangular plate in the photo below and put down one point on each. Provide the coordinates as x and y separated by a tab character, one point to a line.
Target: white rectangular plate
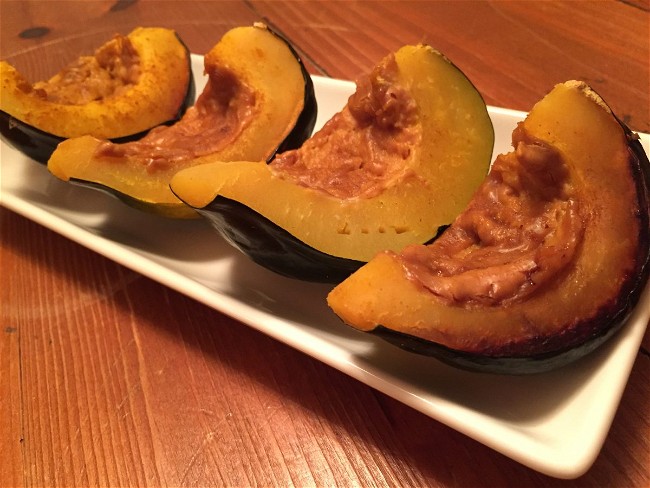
555	423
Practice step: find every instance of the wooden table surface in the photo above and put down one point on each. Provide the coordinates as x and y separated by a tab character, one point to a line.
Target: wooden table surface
108	378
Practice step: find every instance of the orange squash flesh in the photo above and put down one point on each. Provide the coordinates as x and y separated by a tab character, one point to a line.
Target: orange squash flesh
559	317
257	99
422	129
153	94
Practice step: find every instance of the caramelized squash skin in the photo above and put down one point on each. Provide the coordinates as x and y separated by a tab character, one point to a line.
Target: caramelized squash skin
546	320
130	84
258	98
400	160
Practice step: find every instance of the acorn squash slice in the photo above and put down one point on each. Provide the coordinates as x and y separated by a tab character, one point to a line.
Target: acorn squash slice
544	265
258	99
131	84
401	159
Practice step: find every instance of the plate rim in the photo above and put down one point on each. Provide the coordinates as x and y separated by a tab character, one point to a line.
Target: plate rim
570	462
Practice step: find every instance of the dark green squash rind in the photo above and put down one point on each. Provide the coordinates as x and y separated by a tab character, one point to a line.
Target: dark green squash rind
162	210
306	122
39	145
506	365
580	339
300	132
271	246
32	142
237	226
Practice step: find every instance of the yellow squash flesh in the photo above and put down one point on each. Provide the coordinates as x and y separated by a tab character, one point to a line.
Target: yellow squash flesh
263	64
156	97
582	302
434	184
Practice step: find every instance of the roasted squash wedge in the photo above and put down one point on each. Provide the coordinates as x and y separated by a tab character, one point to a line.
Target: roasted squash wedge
131	84
400	160
258	99
544	264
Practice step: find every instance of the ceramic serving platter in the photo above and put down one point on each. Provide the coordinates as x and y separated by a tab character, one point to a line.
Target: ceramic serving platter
555	422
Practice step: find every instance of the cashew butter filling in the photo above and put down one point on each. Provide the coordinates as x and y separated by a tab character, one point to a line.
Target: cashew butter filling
360	150
222	111
113	68
521	229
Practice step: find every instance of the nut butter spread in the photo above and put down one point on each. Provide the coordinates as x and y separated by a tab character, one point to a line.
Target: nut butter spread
362	148
224	108
114	68
521	229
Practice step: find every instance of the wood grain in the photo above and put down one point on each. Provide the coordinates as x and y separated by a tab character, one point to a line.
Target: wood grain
513	51
127	383
108	378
